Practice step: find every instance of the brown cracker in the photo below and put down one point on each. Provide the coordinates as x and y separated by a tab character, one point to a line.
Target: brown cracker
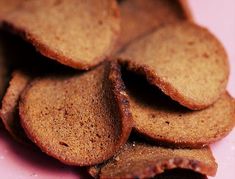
9	111
76	33
7	6
165	121
140	16
79	119
138	160
184	60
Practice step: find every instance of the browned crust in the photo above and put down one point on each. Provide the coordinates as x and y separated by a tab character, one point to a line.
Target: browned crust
173	163
190	144
186	144
165	164
9	109
186	9
94	172
122	107
166	87
121	99
8	7
186	15
50	53
22	115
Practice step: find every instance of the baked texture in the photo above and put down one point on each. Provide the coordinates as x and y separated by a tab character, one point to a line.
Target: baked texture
138	160
7	6
166	122
79	119
76	33
9	112
17	54
18	63
187	9
184	60
140	16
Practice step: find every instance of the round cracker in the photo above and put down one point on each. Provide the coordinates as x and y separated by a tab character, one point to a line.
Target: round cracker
165	121
140	16
76	33
9	112
7	6
138	160
79	119
184	60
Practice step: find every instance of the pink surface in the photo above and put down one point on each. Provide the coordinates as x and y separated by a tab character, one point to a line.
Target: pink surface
219	17
17	161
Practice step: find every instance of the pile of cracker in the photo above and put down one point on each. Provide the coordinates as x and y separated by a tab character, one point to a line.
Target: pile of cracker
129	89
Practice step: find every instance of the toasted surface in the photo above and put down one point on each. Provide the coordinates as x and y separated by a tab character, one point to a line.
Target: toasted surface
76	33
140	16
78	119
17	54
7	6
184	60
144	161
9	111
187	9
158	117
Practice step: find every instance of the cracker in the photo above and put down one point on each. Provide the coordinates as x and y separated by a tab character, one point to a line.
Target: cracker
9	111
79	119
184	60
76	33
7	6
139	160
164	121
140	16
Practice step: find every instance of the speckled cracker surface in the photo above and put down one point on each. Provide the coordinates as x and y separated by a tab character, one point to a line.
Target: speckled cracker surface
145	161
76	118
76	33
184	60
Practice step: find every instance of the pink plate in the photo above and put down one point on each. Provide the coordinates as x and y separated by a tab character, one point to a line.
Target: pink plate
17	161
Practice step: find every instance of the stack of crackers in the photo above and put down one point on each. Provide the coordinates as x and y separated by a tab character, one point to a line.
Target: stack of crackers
129	89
